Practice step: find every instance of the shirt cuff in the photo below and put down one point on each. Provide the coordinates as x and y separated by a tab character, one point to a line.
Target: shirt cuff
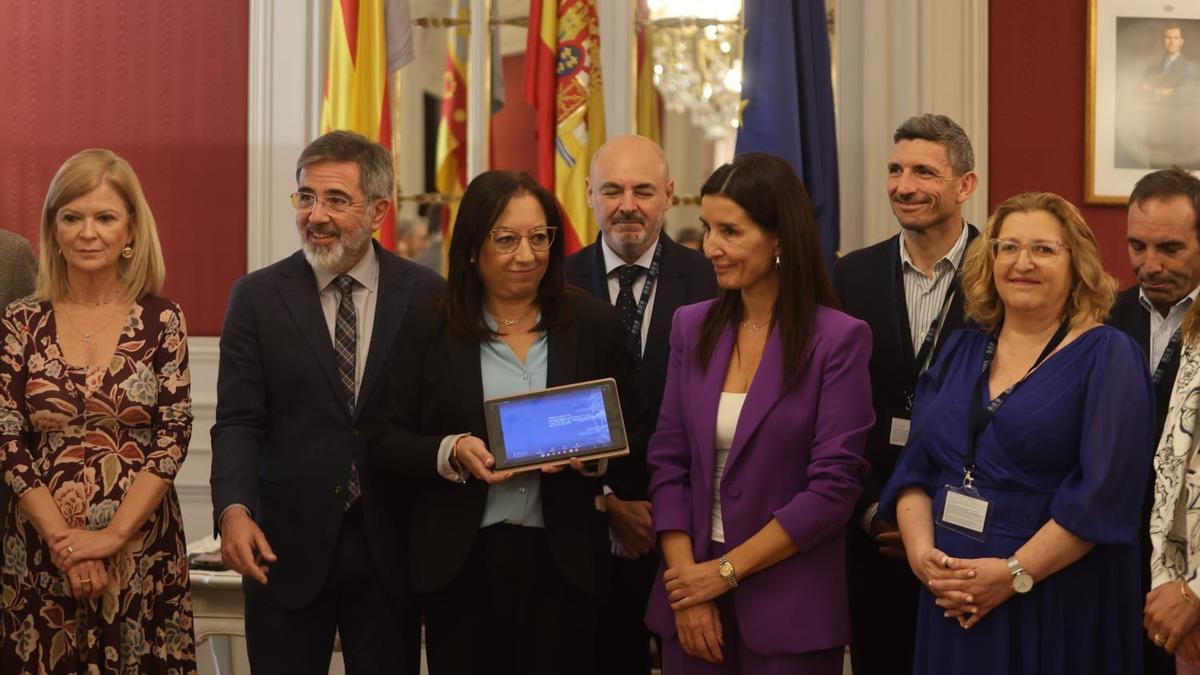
867	517
445	467
606	491
221	518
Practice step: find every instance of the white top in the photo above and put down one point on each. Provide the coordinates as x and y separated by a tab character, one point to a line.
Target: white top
728	412
612	261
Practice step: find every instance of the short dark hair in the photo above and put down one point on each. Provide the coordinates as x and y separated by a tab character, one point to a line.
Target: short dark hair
485	199
769	191
1167	183
375	174
943	131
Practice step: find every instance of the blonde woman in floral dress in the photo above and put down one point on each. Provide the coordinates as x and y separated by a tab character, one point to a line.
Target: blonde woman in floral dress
95	418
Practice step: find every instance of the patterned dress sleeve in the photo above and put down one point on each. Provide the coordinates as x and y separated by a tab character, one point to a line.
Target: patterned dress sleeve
173	411
16	458
916	467
1101	500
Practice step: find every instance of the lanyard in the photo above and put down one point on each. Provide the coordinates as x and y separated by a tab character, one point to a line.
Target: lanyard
1167	354
647	288
925	353
980	415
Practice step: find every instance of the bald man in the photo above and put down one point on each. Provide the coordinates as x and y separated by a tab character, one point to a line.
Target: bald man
635	266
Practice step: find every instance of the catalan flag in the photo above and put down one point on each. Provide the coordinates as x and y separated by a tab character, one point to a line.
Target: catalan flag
565	87
356	94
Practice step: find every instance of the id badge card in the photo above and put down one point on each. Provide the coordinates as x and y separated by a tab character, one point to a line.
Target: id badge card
899	432
964	512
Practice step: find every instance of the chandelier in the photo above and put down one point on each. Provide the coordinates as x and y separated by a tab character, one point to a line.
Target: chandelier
697	51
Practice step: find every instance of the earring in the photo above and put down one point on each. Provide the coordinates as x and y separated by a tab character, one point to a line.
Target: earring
471	260
776	261
127	253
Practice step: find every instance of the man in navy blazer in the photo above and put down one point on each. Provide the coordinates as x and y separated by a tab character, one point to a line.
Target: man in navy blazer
905	288
630	191
305	340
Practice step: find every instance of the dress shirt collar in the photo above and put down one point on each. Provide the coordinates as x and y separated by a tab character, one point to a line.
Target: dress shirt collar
612	261
952	257
365	272
1183	303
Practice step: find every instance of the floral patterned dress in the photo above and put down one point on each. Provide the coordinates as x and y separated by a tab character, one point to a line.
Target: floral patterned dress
84	433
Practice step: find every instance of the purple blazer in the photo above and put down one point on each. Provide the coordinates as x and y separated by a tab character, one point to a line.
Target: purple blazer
797	456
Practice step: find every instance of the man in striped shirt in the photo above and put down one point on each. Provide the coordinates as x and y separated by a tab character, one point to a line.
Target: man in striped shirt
905	289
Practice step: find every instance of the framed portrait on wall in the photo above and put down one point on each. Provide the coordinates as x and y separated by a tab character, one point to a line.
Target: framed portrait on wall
1143	97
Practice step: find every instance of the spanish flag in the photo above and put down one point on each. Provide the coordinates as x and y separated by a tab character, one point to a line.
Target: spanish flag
565	87
356	94
451	153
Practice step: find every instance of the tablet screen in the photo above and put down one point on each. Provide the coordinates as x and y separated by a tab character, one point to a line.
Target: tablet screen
554	424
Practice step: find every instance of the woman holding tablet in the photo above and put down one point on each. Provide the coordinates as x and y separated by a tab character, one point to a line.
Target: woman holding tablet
509	565
757	460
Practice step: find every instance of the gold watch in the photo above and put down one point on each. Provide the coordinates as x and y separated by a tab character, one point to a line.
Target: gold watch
725	569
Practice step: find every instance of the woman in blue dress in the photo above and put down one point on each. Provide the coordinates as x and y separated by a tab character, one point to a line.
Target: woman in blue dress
1019	492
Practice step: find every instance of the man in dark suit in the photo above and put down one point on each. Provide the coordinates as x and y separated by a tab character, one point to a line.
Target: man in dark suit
302	349
1164	251
635	266
905	288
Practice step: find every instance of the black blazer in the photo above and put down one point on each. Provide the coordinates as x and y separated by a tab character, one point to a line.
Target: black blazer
1130	317
685	277
435	389
868	282
283	439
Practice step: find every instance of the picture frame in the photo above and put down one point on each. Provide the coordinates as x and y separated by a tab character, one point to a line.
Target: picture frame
1143	93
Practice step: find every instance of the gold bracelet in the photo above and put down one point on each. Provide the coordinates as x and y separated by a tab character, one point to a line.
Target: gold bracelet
1188	597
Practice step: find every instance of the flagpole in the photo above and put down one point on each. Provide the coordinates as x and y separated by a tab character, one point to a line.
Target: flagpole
479	88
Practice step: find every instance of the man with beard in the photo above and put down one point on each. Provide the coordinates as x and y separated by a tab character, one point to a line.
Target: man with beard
906	289
635	266
305	340
1164	251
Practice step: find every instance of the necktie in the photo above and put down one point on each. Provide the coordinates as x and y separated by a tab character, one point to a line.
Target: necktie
627	306
345	345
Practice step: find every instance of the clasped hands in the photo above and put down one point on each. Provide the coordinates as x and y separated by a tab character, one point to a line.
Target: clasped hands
81	555
1171	621
966	589
691	590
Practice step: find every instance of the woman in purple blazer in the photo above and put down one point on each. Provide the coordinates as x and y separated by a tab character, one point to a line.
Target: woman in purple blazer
757	460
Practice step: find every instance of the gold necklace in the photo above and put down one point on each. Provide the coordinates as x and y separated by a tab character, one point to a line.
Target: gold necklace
85	336
754	326
519	319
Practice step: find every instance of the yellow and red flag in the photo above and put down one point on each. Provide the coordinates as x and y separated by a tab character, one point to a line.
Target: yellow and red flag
356	94
451	154
564	84
649	113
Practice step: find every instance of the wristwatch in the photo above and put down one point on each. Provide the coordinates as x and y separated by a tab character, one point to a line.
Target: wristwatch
1021	581
725	569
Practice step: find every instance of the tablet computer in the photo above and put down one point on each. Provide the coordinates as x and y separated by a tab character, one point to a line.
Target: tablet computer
550	426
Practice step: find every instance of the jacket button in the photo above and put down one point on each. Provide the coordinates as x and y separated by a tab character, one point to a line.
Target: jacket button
338	490
354	431
735	491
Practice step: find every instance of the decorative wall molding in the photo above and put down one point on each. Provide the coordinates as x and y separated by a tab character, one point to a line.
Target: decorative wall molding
894	60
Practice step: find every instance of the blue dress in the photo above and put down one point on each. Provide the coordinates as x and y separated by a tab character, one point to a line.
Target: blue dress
1074	443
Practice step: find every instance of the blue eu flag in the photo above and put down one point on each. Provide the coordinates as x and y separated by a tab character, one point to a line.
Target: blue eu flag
787	91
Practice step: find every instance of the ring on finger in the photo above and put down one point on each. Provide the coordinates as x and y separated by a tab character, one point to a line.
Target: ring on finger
70	550
1159	639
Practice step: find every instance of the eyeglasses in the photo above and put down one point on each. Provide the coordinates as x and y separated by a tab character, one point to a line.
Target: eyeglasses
1008	250
507	241
307	201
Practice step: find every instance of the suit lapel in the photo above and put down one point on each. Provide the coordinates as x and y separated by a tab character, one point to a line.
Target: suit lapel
669	295
467	375
395	291
704	414
765	390
599	277
563	344
298	287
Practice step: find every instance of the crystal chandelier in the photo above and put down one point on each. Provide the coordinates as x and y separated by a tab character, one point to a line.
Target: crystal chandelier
697	51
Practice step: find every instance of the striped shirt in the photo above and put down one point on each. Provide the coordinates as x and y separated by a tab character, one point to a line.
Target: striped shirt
925	295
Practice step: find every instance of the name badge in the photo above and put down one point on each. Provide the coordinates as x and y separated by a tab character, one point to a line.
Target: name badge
899	435
964	512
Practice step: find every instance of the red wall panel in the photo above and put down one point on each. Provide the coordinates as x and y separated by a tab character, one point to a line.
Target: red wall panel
1037	88
161	83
